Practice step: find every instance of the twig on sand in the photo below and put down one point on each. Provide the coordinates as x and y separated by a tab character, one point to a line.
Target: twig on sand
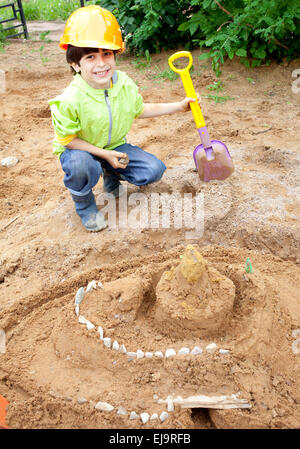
9	223
261	132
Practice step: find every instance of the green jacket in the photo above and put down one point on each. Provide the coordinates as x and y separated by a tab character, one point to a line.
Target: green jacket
101	117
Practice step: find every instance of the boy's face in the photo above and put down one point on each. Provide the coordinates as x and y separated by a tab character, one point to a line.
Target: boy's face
97	68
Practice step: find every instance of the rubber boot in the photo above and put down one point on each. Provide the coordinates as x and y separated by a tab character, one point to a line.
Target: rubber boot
91	218
111	183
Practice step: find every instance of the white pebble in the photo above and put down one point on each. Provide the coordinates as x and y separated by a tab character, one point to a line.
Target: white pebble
170	352
149	355
140	354
158	354
144	417
100	284
122	349
79	295
91	285
81	401
196	350
211	348
89	325
133	415
2	342
184	351
104	407
82	320
115	346
9	161
163	416
131	355
122	411
100	330
224	351
154	416
107	342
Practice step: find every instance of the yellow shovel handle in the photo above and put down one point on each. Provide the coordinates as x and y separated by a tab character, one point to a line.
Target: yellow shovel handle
188	84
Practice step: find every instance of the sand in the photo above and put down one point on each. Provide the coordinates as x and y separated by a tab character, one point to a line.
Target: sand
54	370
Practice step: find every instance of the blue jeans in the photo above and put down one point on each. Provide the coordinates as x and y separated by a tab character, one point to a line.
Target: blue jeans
83	170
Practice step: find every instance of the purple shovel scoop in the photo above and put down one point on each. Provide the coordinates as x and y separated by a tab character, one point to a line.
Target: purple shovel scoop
212	158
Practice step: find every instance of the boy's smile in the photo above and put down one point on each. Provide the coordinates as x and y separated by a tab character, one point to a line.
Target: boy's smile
97	68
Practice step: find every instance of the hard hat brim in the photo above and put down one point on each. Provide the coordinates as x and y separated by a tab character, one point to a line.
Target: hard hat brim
93	44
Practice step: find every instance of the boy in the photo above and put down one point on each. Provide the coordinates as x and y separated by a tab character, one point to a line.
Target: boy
95	112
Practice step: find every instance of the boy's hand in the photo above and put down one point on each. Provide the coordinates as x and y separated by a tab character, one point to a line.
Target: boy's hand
112	157
185	104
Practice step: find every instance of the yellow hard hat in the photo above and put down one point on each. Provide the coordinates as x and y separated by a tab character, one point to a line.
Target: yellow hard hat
93	27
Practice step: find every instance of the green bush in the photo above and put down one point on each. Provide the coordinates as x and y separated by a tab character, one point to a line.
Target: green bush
151	24
253	30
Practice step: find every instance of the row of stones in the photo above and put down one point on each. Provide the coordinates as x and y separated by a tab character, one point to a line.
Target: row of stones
144	416
139	354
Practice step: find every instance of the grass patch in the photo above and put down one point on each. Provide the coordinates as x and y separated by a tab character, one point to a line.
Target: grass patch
167	74
50	9
218	98
142	62
45	9
217	86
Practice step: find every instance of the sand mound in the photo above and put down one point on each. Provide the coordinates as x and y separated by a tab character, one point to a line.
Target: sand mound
194	298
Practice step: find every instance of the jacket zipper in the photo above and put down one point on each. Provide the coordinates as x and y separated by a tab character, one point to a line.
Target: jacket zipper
110	116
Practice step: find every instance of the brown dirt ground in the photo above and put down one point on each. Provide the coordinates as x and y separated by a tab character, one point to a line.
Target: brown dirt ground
46	255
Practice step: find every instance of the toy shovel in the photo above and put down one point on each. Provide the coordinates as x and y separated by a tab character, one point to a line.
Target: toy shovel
212	158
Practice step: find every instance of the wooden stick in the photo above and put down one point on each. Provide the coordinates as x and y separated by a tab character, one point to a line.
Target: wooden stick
261	132
223	9
225	23
202	401
10	222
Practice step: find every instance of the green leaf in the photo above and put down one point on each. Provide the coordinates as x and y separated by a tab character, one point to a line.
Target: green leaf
193	28
255	63
210	41
241	52
259	53
204	56
206	3
231	54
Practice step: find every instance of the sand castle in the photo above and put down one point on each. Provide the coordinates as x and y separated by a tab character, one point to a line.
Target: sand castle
193	298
